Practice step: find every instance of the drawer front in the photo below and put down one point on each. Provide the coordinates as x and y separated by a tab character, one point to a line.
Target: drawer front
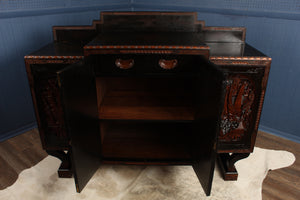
145	64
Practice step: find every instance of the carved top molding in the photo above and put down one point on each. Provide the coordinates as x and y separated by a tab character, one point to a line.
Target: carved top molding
212	58
53	57
144	47
240	60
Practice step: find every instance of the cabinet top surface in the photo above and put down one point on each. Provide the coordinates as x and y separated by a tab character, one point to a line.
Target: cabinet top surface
148	39
60	50
151	31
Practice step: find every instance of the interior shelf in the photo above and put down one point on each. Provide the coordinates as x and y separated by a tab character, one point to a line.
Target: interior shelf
151	140
136	105
154	99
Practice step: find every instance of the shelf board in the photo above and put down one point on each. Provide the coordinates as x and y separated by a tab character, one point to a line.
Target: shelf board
133	105
146	140
146	113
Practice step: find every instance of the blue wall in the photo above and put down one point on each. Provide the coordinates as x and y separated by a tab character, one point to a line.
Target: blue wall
25	26
273	27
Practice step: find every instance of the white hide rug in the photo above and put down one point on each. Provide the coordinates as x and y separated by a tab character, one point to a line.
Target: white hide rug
116	182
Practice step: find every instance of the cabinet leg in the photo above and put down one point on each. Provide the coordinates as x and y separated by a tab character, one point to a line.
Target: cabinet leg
227	161
64	170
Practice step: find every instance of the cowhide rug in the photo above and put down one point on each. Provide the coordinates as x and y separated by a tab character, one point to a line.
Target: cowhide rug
147	182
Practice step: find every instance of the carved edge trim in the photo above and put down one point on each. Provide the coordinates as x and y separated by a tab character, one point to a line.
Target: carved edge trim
147	51
240	60
144	47
126	51
51	61
232	58
53	57
204	53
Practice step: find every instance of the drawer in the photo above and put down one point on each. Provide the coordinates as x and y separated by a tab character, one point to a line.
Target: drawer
146	64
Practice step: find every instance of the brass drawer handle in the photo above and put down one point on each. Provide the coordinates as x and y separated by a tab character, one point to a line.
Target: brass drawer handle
167	64
124	64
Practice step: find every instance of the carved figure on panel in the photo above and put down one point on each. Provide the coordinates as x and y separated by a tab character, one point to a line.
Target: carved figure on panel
235	117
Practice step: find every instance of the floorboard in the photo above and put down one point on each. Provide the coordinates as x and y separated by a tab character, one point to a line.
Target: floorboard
19	153
282	183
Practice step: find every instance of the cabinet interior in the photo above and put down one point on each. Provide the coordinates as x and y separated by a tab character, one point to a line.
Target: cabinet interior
149	117
146	141
146	98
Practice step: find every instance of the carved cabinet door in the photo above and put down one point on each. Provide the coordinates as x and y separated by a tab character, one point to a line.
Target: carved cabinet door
48	107
78	93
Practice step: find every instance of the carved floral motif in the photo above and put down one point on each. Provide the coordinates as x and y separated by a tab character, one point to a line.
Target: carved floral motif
51	110
235	118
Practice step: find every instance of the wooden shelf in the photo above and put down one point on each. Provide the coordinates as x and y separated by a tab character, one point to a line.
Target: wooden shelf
146	140
140	99
148	106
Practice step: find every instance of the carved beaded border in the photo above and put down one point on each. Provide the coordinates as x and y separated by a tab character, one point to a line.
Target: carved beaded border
219	60
239	58
144	47
53	57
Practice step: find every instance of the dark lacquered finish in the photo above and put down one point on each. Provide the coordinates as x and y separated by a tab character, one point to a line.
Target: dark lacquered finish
77	87
164	70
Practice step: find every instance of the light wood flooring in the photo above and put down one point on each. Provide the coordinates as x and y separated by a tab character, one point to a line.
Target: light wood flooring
24	151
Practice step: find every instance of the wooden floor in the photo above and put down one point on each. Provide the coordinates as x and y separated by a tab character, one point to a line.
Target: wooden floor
282	183
24	151
17	154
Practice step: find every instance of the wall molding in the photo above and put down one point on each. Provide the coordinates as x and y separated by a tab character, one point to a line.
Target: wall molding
148	6
223	11
53	11
18	131
279	133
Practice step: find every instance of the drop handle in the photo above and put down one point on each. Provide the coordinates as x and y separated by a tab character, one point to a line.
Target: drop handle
124	64
168	64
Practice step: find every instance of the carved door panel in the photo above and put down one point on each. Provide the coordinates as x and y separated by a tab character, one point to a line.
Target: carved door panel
78	93
239	119
49	107
211	98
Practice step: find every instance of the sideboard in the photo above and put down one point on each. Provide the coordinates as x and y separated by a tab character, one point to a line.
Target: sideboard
151	88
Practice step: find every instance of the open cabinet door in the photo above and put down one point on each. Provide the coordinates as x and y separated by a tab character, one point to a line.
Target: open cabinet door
210	98
78	92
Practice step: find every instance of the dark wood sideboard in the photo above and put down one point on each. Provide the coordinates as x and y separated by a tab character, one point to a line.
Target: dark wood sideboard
151	88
